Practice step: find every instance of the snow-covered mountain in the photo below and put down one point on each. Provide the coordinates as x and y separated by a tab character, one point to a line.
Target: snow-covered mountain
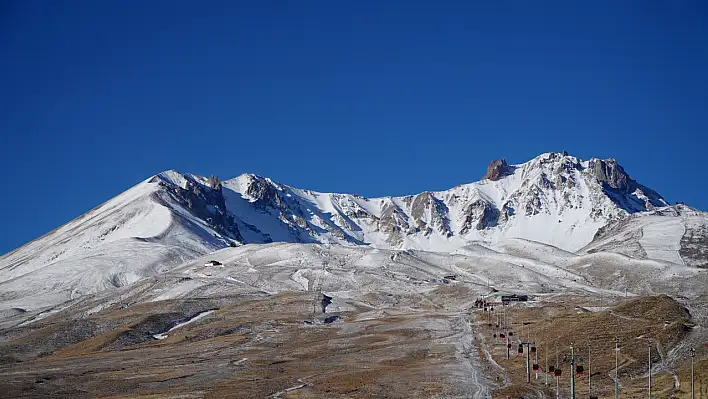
170	218
185	267
554	198
141	232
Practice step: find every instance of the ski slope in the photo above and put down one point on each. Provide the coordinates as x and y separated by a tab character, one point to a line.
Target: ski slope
674	234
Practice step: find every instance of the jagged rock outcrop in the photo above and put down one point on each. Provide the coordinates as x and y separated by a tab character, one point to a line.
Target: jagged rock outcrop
498	169
611	173
534	205
263	192
479	215
622	189
430	213
350	208
393	219
506	212
207	202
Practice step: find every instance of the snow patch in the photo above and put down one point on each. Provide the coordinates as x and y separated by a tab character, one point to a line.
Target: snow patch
199	316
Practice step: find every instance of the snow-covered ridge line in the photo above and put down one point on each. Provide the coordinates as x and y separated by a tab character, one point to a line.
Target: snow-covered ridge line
554	198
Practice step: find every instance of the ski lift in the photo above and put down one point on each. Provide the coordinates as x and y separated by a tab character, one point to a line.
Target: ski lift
579	369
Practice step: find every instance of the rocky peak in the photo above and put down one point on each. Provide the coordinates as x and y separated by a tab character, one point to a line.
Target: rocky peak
498	169
609	172
263	192
214	182
615	180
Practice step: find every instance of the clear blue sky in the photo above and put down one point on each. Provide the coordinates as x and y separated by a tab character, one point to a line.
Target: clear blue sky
373	97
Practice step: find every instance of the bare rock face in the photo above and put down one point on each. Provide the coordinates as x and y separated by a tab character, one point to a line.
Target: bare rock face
264	193
507	212
479	215
350	209
426	206
534	205
616	181
214	182
393	219
207	202
498	169
611	173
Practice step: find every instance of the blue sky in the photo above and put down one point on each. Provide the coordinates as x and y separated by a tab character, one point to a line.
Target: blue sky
377	98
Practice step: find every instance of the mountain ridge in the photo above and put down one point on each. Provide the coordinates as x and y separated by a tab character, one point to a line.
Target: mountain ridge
171	218
431	212
262	190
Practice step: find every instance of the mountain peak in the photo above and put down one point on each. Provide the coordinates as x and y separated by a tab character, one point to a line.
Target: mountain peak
497	169
170	176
